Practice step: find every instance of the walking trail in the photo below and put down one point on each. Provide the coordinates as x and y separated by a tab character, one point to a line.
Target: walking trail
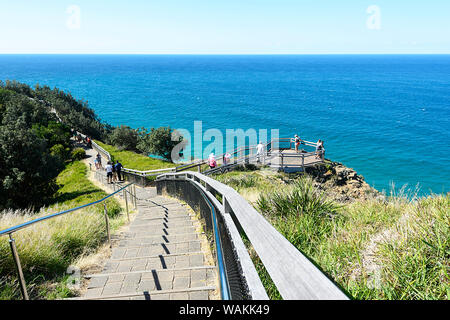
162	254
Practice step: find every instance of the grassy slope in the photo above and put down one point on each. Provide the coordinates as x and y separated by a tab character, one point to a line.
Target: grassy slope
48	248
135	161
393	249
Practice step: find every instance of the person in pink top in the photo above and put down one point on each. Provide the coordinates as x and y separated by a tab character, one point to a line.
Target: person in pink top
226	158
212	161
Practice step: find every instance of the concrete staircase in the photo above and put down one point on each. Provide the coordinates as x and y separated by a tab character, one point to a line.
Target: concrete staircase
162	254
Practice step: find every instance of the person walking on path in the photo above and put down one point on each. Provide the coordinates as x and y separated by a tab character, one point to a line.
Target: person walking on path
118	166
99	161
114	172
89	142
109	172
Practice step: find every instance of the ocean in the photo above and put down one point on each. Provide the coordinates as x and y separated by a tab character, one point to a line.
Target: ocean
386	116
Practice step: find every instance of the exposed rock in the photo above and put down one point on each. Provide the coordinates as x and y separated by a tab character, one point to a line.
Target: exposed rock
341	183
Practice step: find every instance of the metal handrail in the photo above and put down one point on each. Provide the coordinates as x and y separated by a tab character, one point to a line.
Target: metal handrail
223	279
27	224
16	228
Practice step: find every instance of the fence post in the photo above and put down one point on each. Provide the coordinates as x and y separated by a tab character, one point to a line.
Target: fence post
303	162
107	225
133	194
126	203
23	287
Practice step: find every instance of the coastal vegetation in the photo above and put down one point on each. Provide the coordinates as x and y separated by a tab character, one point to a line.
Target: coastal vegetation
47	249
373	245
41	172
132	160
376	246
35	145
36	126
156	142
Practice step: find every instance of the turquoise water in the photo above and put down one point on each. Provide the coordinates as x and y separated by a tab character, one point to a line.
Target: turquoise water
387	116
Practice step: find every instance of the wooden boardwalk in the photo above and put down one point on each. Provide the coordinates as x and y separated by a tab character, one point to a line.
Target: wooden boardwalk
292	161
162	255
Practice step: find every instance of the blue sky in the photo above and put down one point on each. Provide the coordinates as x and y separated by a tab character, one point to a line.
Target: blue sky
224	27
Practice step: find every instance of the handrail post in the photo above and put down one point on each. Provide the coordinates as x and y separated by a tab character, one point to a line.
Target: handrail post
282	164
107	225
303	162
135	197
23	287
126	203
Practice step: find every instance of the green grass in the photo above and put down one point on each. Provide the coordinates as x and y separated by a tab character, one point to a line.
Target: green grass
397	248
48	248
135	161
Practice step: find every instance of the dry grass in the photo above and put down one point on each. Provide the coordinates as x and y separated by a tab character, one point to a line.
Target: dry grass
393	247
48	248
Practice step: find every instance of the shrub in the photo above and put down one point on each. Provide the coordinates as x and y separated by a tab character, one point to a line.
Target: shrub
78	154
61	152
27	169
159	142
302	198
124	138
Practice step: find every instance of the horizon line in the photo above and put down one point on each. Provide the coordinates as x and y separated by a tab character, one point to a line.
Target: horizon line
221	54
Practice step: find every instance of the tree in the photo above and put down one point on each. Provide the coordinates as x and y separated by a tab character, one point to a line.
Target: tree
54	133
124	138
27	170
158	142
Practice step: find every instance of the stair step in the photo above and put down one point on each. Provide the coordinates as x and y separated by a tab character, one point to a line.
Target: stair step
164	238
135	250
96	275
148	295
142	243
164	231
157	256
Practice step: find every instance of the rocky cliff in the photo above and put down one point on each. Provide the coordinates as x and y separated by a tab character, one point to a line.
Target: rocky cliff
341	183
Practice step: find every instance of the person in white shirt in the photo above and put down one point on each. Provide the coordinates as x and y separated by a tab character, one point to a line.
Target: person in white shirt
109	172
320	149
259	152
297	142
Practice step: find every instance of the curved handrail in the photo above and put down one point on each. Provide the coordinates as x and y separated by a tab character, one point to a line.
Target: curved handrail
224	285
294	275
196	163
13	229
29	223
